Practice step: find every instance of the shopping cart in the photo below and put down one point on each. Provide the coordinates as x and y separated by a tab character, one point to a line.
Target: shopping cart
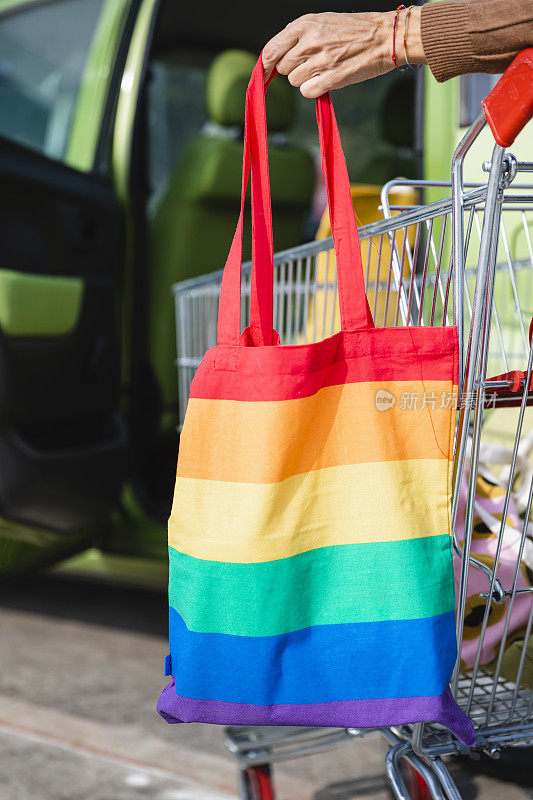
466	258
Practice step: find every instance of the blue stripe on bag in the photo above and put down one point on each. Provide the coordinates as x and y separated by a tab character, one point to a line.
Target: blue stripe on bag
318	664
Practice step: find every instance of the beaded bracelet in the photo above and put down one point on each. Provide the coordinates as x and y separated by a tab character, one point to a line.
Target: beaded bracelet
399	67
407	62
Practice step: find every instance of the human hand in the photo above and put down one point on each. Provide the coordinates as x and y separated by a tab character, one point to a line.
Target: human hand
319	52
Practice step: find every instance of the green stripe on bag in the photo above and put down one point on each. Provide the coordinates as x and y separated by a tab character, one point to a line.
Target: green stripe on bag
331	585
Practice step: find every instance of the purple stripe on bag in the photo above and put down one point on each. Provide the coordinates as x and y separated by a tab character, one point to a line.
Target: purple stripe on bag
376	713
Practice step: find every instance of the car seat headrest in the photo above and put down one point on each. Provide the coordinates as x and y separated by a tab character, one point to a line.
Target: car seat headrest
227	81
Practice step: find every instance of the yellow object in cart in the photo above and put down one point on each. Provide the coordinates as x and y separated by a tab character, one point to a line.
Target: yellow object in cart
323	318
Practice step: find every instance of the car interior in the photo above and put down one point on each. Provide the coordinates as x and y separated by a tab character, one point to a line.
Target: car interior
192	128
88	398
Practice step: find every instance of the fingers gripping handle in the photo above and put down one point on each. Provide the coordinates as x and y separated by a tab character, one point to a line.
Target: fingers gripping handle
355	312
509	106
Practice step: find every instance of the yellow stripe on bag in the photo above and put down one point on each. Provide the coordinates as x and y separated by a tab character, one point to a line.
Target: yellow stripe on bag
266	442
253	522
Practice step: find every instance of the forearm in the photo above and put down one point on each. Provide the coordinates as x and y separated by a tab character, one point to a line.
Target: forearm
320	52
461	36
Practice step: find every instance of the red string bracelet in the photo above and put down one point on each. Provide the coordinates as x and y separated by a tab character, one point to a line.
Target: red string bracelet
408	63
399	67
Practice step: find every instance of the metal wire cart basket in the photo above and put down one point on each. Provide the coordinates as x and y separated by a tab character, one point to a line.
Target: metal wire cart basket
467	258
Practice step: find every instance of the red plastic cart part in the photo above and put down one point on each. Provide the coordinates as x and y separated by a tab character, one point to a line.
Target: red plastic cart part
261	780
418	788
517	376
509	106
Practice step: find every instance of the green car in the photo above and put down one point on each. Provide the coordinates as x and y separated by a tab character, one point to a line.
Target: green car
120	169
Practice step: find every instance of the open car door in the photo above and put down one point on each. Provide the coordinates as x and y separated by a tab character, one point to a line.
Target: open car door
62	438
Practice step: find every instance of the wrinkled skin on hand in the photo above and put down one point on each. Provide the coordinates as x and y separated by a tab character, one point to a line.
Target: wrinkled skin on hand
320	52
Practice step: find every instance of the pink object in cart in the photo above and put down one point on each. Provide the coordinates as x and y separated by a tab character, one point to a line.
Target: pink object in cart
488	511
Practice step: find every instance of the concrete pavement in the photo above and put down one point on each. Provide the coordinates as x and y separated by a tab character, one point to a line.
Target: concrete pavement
80	672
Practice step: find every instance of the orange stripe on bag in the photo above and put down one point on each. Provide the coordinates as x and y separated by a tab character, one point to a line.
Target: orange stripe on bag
254	442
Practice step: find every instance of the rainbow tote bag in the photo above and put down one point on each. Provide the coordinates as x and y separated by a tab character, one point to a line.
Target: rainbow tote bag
311	577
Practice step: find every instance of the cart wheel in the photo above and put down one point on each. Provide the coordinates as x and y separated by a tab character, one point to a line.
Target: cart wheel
416	785
256	783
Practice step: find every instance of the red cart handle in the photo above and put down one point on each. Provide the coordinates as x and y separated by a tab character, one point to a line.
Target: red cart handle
509	106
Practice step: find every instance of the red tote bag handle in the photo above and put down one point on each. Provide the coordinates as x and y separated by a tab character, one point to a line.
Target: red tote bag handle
354	308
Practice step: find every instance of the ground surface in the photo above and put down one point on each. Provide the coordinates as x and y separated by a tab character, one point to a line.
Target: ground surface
80	667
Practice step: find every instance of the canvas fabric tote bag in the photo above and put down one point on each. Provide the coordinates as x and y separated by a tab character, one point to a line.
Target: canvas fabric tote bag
311	577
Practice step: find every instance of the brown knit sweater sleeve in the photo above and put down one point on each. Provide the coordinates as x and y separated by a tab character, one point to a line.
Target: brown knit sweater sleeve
460	36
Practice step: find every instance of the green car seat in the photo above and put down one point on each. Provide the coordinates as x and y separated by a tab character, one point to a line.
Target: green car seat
192	227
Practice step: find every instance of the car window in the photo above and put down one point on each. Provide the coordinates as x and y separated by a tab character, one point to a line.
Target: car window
472	90
43	52
177	112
